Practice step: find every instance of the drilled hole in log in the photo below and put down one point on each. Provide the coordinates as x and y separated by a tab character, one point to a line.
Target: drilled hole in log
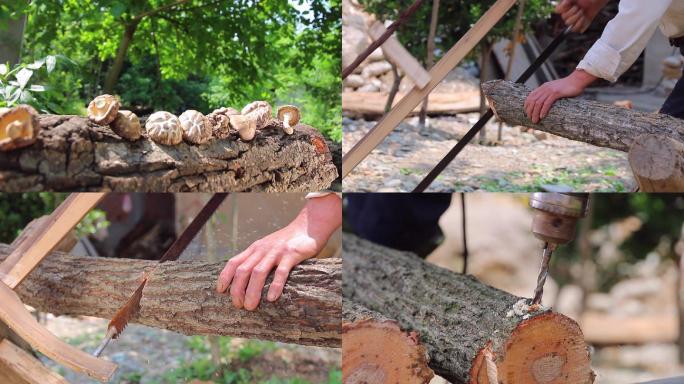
379	352
546	349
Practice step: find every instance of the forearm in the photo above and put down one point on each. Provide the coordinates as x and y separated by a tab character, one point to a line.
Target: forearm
320	217
582	78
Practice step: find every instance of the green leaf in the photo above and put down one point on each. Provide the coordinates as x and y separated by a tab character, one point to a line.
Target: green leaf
50	62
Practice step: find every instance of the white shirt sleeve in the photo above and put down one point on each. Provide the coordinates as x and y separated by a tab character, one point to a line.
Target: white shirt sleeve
624	38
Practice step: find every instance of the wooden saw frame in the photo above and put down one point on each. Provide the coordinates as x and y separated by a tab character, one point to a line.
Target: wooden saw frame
39	239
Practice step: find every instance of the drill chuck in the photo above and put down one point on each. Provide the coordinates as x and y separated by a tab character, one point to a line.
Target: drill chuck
556	215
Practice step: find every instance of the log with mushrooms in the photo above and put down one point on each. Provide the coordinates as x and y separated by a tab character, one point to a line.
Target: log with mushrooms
289	115
192	126
18	127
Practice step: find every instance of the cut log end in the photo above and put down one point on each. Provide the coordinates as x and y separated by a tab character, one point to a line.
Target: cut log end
545	349
380	352
657	163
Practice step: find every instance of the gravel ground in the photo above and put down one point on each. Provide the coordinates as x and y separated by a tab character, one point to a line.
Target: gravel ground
146	354
521	162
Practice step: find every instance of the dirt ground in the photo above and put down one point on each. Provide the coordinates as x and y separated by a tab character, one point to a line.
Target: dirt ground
522	161
148	355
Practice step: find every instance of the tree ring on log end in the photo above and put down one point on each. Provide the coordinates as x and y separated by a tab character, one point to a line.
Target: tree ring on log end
546	349
379	352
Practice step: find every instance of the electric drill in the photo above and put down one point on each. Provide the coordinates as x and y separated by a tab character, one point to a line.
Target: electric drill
554	222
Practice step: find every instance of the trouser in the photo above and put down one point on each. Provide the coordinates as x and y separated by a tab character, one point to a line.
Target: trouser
403	221
674	105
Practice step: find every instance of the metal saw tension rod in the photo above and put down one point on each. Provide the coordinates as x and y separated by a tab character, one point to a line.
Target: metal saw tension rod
439	168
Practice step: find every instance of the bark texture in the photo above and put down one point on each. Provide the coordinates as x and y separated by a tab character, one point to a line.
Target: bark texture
657	163
180	296
591	122
74	154
458	318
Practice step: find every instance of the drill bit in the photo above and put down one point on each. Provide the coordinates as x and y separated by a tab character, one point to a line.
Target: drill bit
543	272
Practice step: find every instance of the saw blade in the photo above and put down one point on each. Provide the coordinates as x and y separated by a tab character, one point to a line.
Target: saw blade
132	306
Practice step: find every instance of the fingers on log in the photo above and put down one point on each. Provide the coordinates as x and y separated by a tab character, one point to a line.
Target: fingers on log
548	348
376	350
657	162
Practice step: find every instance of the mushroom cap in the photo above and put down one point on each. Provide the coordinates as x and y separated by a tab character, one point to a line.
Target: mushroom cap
103	109
18	127
259	111
164	128
196	127
245	126
294	117
220	123
127	125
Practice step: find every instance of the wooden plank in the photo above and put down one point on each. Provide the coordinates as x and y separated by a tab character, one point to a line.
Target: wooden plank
372	104
46	236
466	44
396	53
14	314
19	367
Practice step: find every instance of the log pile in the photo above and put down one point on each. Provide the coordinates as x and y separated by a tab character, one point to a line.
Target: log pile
180	296
72	153
471	332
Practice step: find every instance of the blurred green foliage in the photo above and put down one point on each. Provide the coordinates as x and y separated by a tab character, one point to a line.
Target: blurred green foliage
456	17
199	54
18	209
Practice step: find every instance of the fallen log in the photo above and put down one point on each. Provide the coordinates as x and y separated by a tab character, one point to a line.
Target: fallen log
657	162
591	122
72	154
180	296
397	357
463	323
372	104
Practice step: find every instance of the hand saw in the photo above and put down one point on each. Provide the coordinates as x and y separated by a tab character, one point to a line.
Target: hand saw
132	306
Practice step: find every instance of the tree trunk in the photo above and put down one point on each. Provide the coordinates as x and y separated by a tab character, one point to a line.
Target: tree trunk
11	41
484	75
396	357
517	28
396	82
592	122
464	323
180	296
115	70
430	60
657	162
74	154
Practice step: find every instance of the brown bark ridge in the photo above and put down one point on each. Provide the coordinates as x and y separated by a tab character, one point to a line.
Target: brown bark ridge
180	296
657	162
376	350
460	320
591	122
73	154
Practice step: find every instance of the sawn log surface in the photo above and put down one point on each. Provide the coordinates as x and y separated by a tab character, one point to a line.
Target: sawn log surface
72	154
180	296
599	124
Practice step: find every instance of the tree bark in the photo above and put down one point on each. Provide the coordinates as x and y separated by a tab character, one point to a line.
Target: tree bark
396	82
657	162
396	357
462	321
180	296
592	122
73	154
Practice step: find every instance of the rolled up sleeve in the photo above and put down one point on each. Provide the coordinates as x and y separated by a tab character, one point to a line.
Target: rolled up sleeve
624	38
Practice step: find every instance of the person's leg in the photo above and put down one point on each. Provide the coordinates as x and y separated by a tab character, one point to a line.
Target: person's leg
674	105
403	221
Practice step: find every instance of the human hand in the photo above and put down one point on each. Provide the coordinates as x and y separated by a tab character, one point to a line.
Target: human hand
579	14
302	239
540	101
